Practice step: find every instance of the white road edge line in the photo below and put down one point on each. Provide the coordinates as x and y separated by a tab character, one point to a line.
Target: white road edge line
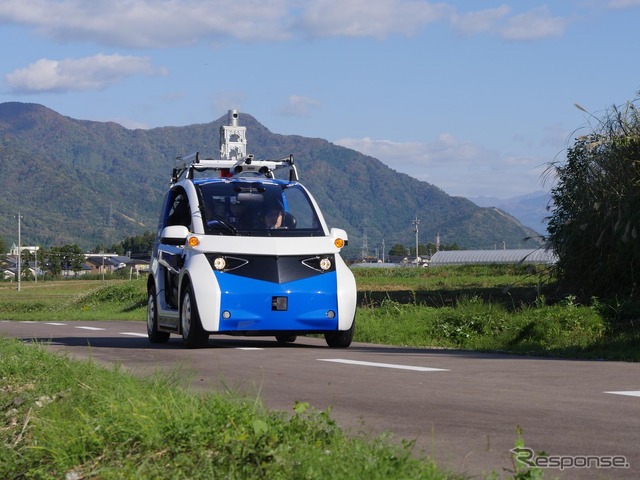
383	365
249	348
630	393
134	334
91	328
55	323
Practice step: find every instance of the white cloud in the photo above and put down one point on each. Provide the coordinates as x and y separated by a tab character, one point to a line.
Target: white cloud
533	25
90	73
298	106
149	23
616	4
479	22
363	18
179	23
459	168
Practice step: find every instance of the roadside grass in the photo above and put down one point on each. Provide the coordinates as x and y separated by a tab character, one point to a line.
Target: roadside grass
454	277
563	330
75	419
74	300
499	308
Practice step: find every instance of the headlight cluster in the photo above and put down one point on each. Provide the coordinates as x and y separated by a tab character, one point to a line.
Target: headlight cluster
224	263
219	263
325	264
321	264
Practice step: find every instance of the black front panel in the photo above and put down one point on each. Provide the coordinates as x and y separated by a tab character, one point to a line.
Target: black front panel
278	269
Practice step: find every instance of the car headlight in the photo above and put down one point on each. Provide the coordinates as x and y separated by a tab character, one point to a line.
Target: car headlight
325	264
224	263
320	263
219	263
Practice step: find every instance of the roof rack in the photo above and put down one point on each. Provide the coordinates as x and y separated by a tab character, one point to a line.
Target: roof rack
231	168
234	161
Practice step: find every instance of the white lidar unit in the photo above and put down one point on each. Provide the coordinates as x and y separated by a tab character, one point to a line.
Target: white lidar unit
233	160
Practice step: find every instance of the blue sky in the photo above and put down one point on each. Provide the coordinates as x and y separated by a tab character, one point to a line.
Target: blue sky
473	97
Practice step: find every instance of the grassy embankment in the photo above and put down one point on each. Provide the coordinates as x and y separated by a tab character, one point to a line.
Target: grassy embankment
76	420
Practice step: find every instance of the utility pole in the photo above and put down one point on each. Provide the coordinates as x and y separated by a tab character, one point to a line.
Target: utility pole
19	250
383	250
415	223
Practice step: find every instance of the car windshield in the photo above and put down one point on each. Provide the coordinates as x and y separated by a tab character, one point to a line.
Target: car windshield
257	208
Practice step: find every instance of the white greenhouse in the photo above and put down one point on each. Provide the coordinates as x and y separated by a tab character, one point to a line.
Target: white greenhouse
538	256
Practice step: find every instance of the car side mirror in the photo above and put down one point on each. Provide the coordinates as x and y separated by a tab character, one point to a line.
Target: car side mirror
337	233
174	235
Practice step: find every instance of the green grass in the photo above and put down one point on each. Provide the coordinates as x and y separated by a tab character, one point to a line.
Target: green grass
74	300
450	277
564	329
74	419
491	308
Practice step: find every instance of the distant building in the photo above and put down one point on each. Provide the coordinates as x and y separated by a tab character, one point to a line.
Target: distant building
110	262
14	249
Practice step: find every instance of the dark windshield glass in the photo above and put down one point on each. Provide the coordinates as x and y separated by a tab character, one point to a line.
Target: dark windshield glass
256	208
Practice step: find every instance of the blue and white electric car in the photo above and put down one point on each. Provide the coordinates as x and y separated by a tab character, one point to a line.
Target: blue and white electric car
241	252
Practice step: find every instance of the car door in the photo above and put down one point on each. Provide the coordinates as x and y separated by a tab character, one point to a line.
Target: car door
171	250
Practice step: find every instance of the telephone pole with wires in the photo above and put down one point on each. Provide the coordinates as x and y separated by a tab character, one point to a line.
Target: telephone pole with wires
415	223
19	217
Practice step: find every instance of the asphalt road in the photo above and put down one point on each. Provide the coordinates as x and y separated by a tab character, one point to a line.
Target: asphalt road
460	408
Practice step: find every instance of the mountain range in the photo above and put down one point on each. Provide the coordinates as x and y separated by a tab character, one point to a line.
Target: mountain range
95	183
532	209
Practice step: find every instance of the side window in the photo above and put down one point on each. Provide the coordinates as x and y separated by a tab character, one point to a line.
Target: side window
179	211
298	205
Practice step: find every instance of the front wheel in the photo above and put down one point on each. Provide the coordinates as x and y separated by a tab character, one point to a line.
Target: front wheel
155	336
340	339
193	335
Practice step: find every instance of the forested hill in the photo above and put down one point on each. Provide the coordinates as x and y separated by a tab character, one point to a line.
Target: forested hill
96	183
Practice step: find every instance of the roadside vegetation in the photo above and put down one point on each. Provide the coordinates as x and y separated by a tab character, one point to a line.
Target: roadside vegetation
499	308
75	420
595	224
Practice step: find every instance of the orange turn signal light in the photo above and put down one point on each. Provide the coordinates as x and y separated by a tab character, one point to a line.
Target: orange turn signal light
338	242
193	241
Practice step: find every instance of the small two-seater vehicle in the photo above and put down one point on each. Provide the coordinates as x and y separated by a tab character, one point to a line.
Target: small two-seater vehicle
242	252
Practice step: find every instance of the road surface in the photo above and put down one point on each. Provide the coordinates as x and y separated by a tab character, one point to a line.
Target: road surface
461	408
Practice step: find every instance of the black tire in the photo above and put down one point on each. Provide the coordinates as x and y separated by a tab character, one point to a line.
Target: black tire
286	338
152	319
340	339
193	335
